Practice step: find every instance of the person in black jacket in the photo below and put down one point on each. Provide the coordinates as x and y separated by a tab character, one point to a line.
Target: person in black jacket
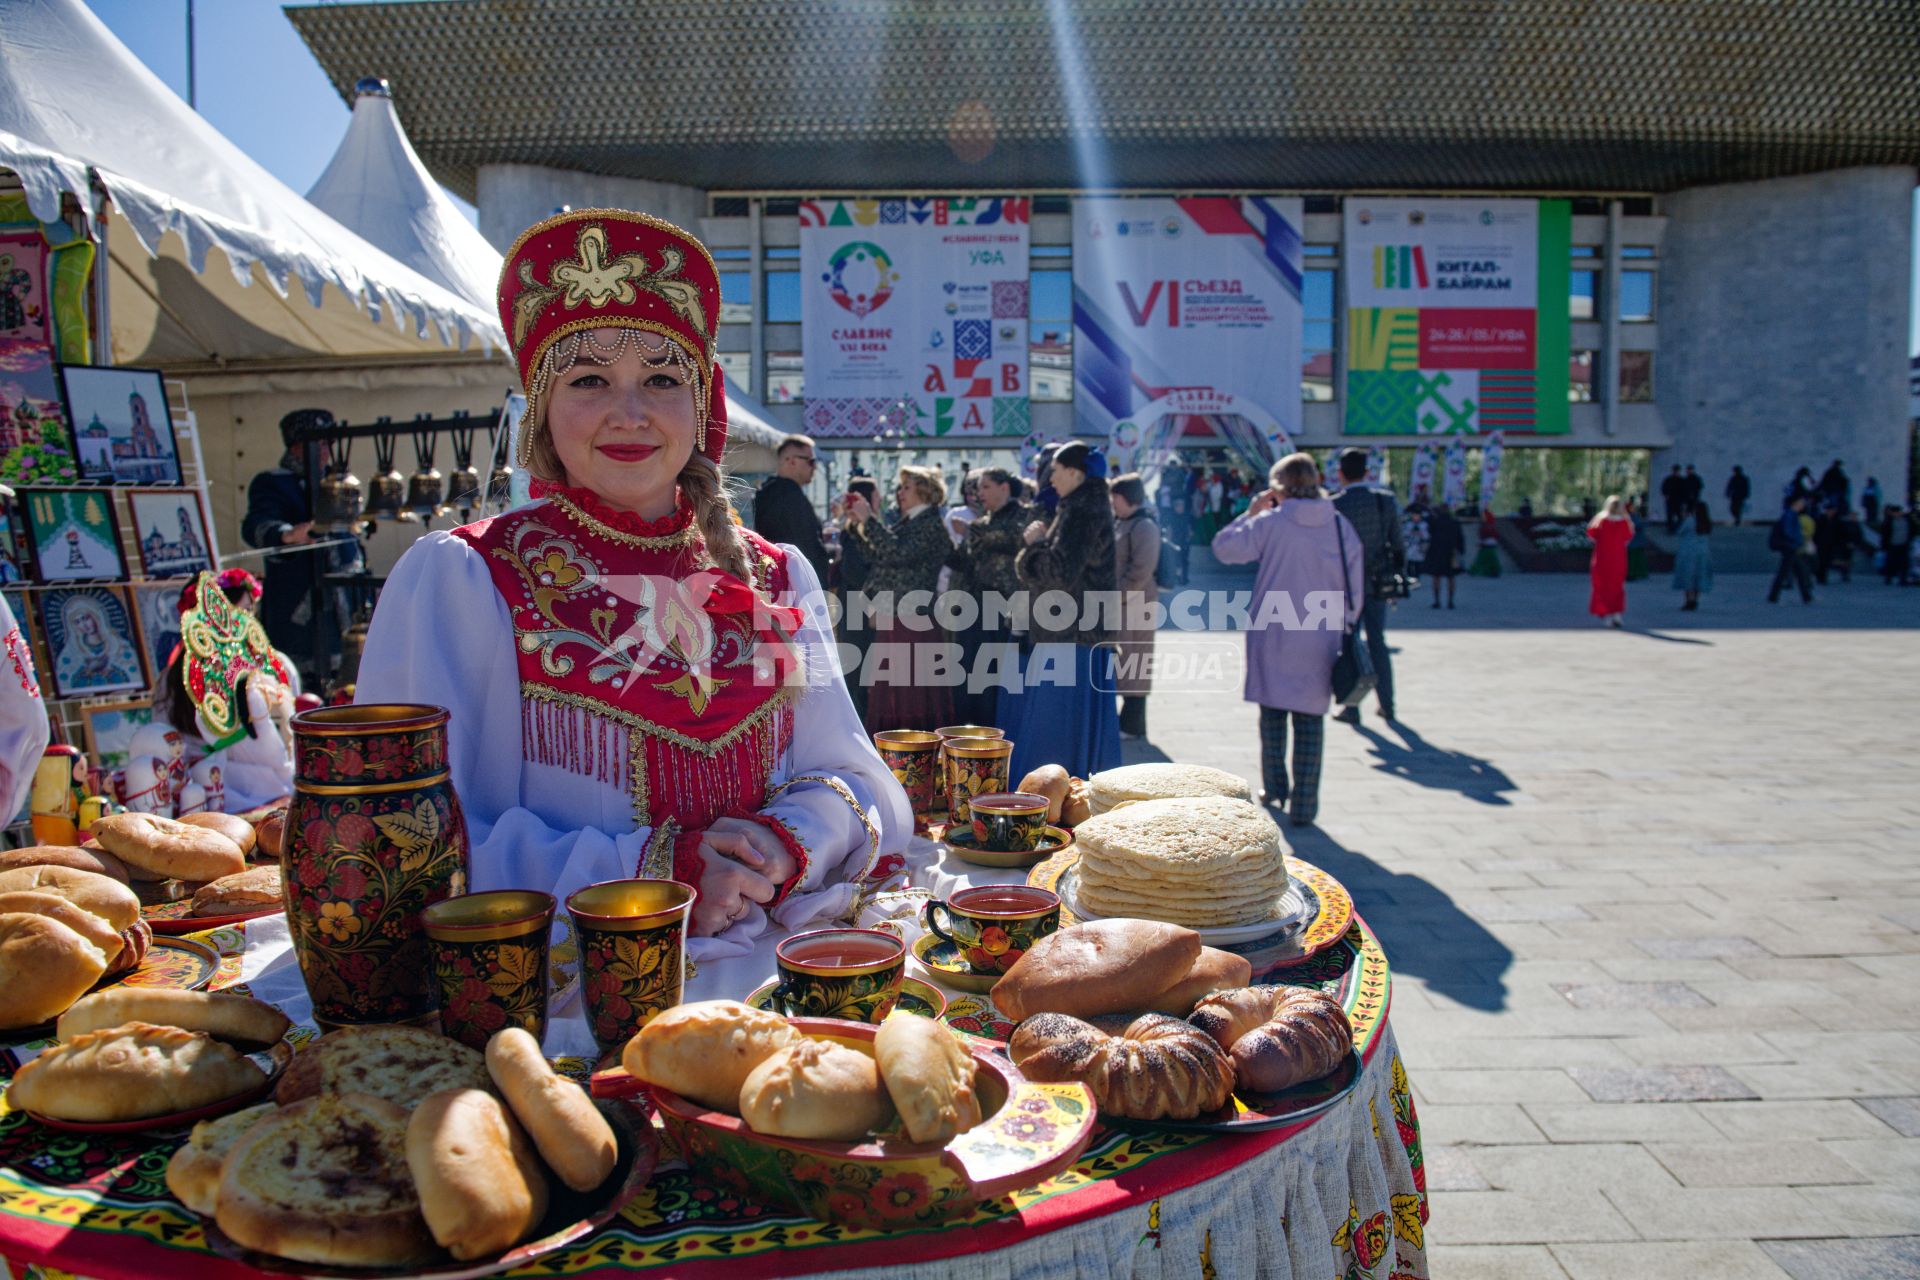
280	517
1739	489
781	511
1064	711
1375	516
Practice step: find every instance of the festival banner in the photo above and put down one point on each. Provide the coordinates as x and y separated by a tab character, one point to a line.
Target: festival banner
1185	308
1426	464
1490	453
914	316
1455	488
1456	316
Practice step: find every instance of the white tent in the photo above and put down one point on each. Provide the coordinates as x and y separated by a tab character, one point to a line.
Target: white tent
80	114
377	186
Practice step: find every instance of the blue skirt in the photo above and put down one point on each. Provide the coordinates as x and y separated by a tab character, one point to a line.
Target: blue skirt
1069	722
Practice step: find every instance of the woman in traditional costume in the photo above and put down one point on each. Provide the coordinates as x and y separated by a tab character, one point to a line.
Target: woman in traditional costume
638	686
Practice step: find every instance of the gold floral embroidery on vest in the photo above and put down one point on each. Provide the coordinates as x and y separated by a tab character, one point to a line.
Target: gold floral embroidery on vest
593	281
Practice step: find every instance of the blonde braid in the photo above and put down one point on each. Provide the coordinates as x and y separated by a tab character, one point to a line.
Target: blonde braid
702	482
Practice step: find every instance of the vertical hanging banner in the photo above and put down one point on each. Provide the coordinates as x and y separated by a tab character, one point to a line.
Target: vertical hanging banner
1426	464
1186	308
914	316
1490	468
1456	474
1456	316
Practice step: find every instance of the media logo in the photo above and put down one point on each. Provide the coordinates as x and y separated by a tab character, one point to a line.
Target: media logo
860	277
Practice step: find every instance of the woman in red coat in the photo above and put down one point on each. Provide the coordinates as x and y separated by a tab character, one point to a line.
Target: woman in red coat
1610	532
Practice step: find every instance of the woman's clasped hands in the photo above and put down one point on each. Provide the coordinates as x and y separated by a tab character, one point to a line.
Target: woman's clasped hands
745	864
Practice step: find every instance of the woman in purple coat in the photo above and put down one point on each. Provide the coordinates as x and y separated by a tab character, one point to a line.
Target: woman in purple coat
1308	590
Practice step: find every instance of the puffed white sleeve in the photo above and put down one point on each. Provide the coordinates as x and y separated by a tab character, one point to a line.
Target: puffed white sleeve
441	635
23	718
838	808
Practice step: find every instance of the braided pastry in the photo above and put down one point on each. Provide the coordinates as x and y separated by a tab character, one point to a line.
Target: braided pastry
1277	1036
1155	1068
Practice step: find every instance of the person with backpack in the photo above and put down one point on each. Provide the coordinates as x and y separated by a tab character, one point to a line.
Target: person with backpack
1785	540
1136	562
1375	517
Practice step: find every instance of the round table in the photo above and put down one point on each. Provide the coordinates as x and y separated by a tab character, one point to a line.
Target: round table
1340	1195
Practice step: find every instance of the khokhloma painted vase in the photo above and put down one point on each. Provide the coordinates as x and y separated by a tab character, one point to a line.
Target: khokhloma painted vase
374	834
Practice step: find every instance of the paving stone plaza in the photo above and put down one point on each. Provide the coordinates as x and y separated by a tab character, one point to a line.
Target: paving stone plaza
1652	901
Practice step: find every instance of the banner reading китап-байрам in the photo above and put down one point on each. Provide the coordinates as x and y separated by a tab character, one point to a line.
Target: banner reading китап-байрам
1456	316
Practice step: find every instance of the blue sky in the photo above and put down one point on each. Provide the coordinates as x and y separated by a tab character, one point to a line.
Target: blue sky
255	80
258	84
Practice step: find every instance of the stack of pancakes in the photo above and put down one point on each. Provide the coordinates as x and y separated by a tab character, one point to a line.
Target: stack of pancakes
1112	788
1202	862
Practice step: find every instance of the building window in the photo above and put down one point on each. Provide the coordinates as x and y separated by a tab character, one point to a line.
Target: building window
736	297
1050	336
784	382
1580	376
1050	251
1636	251
1582	289
1320	250
1636	377
738	368
1319	333
784	253
783	297
1636	296
731	255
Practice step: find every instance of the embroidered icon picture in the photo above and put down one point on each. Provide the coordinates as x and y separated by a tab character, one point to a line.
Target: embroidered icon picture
110	728
122	428
91	648
73	535
35	447
169	532
158	612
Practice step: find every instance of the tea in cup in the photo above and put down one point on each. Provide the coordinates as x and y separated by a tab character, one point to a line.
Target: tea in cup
994	924
1008	821
840	973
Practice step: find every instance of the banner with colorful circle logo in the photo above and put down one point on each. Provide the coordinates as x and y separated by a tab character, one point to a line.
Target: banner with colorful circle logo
914	317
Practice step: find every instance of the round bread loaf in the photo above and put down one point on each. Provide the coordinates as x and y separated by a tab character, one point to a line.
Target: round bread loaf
44	967
816	1089
1157	1068
80	858
224	1015
572	1136
400	1064
1051	781
132	1072
248	890
83	922
326	1180
166	848
236	829
1102	966
88	890
193	1175
481	1187
1161	781
704	1051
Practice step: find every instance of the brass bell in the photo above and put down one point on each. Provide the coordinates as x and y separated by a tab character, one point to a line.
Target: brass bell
338	508
500	484
463	487
386	493
425	491
353	645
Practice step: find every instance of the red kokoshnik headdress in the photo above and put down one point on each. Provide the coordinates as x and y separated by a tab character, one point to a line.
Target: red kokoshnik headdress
613	269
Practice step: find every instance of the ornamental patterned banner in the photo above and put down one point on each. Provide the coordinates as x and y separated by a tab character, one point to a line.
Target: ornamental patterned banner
1187	300
1456	316
914	316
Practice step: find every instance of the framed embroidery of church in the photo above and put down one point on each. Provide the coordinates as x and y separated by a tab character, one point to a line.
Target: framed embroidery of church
122	429
73	535
169	532
91	644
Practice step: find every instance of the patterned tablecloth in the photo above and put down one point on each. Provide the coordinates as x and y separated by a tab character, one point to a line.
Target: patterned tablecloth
1340	1197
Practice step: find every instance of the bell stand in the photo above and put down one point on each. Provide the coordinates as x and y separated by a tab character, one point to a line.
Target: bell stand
320	440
